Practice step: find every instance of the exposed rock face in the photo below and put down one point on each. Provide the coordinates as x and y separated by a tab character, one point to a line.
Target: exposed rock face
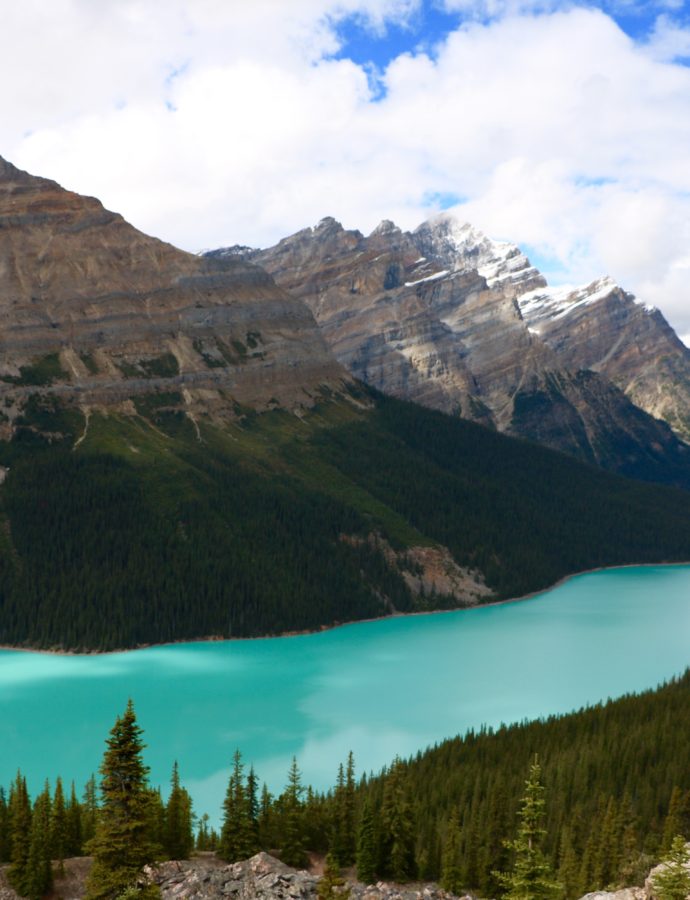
434	316
265	878
97	312
604	328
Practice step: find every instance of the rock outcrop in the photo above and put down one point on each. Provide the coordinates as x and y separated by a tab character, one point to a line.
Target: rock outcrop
435	316
96	312
604	328
265	878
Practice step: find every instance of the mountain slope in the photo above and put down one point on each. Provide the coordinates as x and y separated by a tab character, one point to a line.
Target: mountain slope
433	316
146	531
96	312
604	328
181	456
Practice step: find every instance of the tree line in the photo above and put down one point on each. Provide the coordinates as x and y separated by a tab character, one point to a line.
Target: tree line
608	799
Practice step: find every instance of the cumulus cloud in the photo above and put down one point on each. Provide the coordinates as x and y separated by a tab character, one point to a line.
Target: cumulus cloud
211	123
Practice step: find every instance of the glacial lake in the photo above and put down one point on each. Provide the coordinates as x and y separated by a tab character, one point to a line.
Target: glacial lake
377	688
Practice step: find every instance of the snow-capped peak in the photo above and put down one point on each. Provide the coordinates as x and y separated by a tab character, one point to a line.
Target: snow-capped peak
463	248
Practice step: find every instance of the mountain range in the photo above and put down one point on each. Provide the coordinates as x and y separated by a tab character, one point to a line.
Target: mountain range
183	455
446	317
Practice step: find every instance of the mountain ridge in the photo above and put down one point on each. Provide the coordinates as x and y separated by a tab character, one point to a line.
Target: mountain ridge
435	316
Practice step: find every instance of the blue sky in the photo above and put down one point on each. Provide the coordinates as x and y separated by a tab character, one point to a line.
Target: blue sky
562	127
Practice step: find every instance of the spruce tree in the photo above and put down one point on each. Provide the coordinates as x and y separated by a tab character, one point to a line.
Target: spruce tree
39	873
122	845
237	837
5	834
366	846
451	862
20	827
89	810
398	827
292	850
676	818
531	877
178	839
673	881
74	825
332	884
348	833
58	827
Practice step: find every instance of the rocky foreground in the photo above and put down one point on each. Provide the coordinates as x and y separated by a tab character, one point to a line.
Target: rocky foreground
263	877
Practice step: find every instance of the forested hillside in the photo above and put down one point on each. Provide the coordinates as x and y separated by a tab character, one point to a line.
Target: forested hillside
122	530
616	791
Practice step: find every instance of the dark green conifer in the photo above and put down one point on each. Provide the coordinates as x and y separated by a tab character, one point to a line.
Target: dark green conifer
673	882
332	884
366	846
123	844
5	834
58	827
292	851
451	861
398	827
20	827
39	873
74	825
178	837
237	838
531	877
677	818
89	811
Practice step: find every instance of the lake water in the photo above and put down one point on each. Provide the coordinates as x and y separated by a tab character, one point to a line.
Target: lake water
377	688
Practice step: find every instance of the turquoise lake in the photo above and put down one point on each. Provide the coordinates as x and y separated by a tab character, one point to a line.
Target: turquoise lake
377	688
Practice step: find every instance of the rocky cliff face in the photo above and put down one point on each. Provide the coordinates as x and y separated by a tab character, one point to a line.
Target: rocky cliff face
604	328
96	312
436	316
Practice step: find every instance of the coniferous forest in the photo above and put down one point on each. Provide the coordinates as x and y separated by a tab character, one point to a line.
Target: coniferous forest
572	803
128	530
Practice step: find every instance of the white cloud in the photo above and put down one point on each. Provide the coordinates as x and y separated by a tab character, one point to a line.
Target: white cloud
210	122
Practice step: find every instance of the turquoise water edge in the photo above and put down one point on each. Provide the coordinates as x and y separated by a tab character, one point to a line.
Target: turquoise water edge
381	688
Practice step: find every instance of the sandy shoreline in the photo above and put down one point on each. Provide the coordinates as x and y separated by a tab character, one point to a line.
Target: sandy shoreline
262	637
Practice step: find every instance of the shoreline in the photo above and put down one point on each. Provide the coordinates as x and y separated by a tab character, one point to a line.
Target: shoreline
210	639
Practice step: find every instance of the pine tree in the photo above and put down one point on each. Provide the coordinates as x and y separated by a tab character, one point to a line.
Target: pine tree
237	838
5	834
20	827
39	873
451	862
74	825
89	810
178	839
348	834
332	883
366	846
531	878
398	827
122	845
292	852
676	818
267	837
673	882
58	827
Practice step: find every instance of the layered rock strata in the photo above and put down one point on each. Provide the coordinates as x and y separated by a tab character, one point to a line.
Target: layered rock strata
96	312
435	316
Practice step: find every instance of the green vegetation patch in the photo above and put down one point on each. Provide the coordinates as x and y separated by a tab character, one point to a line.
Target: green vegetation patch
41	372
164	366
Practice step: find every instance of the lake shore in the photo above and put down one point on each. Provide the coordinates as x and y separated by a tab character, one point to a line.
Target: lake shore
318	630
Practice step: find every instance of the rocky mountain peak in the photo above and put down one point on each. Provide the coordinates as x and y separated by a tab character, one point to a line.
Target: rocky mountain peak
445	316
98	313
464	248
386	227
